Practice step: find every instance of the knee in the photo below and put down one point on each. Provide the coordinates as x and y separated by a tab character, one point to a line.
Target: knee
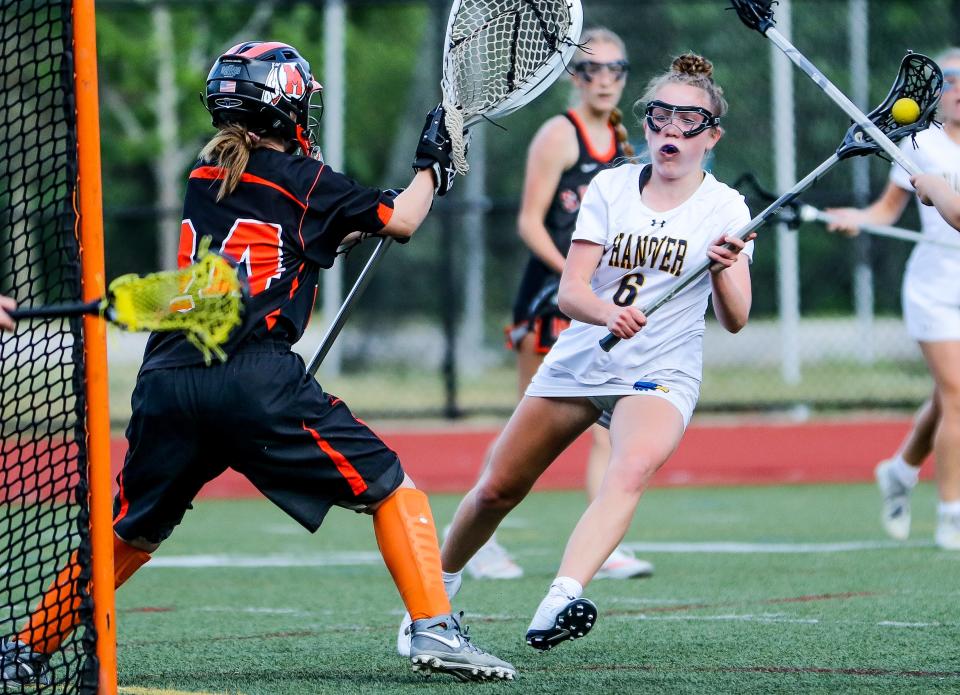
632	476
490	496
140	544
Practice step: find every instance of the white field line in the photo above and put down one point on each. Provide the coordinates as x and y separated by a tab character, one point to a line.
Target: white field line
132	690
772	548
774	618
332	559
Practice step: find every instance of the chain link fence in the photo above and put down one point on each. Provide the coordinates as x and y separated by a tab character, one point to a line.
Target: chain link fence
431	322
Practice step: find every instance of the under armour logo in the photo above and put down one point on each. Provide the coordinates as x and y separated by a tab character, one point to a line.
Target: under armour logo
654	223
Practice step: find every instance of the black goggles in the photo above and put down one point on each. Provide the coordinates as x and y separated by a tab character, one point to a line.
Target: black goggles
690	120
588	69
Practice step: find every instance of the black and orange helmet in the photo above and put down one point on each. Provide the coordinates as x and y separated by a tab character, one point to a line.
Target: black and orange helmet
266	86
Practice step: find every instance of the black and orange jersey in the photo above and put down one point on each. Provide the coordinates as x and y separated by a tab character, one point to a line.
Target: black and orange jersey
281	225
561	216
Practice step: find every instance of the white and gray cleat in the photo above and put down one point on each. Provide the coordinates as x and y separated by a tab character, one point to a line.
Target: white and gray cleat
440	645
20	664
895	515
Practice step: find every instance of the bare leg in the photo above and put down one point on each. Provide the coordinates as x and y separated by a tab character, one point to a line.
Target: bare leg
539	430
598	460
919	442
645	431
943	359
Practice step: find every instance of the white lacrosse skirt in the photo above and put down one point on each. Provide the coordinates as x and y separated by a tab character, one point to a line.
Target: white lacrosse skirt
931	281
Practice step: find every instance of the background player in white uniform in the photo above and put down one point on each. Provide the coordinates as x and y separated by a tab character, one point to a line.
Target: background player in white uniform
564	156
640	229
931	310
942	192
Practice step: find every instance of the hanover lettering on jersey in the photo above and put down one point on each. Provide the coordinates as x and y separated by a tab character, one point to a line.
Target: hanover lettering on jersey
659	253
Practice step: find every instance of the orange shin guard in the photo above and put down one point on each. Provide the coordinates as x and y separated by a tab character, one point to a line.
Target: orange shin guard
55	616
408	542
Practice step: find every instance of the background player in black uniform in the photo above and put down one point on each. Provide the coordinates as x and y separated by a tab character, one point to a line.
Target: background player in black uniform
565	154
281	216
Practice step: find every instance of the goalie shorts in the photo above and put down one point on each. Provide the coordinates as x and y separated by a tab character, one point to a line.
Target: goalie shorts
260	414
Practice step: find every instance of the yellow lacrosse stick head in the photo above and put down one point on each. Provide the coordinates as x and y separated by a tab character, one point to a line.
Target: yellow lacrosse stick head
204	300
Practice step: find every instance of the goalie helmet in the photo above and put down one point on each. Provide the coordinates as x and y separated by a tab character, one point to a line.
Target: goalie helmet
267	87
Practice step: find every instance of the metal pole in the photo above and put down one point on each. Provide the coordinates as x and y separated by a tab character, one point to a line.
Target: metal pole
334	94
785	163
863	300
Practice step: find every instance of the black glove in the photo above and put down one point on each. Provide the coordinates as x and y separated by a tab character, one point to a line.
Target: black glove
433	151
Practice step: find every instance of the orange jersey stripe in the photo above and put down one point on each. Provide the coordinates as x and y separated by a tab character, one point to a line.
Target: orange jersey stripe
357	483
217	173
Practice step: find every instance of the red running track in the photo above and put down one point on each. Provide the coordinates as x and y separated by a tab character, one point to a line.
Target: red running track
448	459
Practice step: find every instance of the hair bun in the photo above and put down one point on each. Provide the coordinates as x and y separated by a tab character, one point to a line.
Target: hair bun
693	64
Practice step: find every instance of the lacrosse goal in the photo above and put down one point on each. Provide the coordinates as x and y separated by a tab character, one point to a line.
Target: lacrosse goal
54	426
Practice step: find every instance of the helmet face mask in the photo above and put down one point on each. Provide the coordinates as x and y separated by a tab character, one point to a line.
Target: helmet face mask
266	87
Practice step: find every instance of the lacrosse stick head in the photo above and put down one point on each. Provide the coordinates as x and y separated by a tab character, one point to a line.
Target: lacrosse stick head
204	300
756	14
499	55
920	79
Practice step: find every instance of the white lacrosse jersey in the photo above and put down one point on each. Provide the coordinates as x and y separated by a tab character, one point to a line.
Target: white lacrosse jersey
933	272
645	253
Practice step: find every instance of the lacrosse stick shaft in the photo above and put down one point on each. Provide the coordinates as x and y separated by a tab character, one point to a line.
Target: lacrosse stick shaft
56	311
341	318
808	213
842	101
610	340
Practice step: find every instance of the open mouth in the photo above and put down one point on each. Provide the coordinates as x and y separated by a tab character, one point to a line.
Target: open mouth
669	149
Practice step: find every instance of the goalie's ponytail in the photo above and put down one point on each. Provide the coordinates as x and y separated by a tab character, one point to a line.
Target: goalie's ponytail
229	150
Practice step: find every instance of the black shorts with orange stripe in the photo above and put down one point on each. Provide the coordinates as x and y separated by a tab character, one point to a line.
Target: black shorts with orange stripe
260	414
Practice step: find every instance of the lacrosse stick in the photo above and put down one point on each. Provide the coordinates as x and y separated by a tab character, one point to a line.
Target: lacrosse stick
498	56
204	300
798	212
758	15
808	213
914	69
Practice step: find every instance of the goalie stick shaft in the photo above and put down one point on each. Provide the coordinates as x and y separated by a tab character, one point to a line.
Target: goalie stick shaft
842	101
341	318
56	311
610	340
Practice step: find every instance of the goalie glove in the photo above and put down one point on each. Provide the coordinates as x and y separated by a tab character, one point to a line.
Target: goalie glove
433	151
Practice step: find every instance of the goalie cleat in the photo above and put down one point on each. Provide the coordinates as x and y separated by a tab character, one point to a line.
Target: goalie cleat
440	645
20	664
895	514
573	621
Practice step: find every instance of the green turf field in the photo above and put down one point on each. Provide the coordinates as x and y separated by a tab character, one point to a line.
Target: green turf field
836	609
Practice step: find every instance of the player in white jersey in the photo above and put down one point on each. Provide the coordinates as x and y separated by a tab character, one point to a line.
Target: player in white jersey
931	310
640	229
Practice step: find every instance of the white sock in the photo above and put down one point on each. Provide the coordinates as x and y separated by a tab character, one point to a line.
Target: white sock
949	508
562	591
568	586
452	582
904	472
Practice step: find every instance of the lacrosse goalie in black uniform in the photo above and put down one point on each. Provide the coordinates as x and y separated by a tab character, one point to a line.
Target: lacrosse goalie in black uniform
281	214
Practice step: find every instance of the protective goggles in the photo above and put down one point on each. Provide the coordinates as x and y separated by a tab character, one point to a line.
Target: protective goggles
951	79
588	69
690	120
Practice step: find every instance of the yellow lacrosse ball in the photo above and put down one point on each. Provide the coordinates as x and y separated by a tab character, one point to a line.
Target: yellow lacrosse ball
905	111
